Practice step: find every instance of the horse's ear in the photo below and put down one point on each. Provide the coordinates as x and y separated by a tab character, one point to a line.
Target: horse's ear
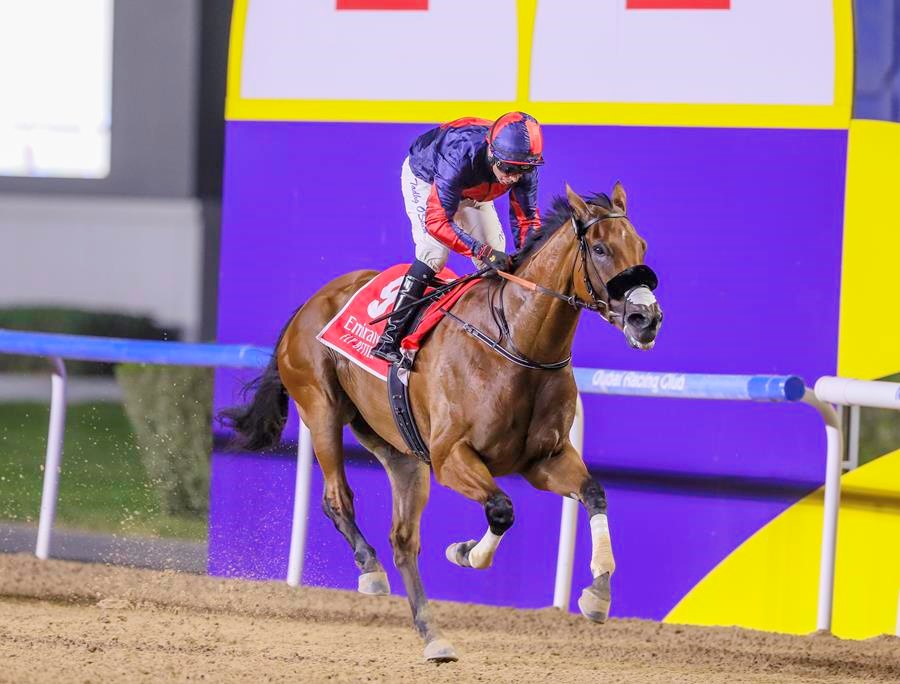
579	206
618	197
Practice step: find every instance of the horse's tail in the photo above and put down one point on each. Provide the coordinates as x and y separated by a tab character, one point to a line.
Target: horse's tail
260	423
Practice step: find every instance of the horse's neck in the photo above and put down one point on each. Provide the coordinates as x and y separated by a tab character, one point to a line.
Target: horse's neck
542	326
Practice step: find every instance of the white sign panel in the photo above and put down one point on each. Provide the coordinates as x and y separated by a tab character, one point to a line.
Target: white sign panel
453	50
770	52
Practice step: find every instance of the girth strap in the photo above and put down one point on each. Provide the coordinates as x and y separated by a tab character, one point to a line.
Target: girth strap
398	398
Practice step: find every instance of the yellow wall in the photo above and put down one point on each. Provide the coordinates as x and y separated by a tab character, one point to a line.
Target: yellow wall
869	341
771	581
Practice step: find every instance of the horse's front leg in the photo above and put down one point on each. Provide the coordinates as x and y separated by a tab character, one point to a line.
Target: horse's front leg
565	474
463	471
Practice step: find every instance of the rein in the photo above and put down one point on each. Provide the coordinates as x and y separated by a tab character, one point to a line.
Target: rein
622	283
597	305
620	286
434	294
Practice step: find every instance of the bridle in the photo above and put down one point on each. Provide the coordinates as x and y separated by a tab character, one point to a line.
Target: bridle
620	286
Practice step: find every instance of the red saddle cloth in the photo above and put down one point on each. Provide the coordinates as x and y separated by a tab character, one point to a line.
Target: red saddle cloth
350	334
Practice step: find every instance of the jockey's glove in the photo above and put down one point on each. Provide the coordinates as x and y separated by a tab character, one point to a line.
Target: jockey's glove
494	258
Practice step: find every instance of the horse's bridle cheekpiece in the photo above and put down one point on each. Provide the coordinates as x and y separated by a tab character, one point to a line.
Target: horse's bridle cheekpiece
621	284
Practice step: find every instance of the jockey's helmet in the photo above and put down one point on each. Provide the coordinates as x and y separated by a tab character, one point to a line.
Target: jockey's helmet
515	139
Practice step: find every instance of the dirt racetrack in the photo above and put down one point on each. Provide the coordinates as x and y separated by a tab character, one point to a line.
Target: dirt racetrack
72	622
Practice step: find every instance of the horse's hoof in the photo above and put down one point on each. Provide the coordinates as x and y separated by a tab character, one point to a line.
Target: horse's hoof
458	553
595	599
440	651
374	584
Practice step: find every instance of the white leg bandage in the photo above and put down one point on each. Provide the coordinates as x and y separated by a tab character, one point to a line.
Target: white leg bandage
602	560
482	554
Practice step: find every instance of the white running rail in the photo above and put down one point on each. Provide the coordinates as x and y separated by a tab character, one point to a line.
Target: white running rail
847	392
871	393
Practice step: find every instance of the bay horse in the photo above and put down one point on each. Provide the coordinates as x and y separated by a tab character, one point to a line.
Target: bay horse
481	416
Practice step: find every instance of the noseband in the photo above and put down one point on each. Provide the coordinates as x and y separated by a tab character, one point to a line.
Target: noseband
619	286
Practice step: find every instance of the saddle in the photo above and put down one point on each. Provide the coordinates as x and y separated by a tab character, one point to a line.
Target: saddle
351	334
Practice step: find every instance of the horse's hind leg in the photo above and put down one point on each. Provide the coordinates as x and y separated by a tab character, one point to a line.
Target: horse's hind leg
410	484
566	474
337	500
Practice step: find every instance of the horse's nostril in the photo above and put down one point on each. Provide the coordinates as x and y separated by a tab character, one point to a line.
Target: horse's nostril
638	320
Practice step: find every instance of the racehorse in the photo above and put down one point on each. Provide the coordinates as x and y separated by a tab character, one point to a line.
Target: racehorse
481	416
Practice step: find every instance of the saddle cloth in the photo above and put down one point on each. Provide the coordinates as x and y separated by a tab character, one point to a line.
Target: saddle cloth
350	334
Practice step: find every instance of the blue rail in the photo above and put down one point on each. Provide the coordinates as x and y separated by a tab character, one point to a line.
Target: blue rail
589	380
690	385
116	350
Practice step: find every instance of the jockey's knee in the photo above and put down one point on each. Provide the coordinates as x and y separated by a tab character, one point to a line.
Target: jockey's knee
593	497
434	256
421	271
499	511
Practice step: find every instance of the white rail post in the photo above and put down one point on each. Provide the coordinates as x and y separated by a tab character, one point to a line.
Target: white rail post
847	392
852	461
833	463
53	460
897	630
568	524
301	506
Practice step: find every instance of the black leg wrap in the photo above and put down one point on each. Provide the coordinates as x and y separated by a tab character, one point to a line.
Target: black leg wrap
499	510
593	497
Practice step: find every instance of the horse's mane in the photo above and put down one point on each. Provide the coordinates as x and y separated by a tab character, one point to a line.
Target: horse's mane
560	212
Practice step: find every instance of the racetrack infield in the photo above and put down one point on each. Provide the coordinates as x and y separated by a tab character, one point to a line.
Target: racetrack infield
71	622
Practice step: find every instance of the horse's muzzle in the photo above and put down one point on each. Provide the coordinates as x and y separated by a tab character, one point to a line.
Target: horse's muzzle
642	318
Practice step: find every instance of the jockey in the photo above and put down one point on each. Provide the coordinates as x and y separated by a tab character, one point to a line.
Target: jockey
452	174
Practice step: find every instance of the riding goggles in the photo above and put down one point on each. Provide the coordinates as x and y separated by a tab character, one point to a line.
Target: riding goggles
515	169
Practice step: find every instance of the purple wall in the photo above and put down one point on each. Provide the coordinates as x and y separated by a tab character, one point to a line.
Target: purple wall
744	228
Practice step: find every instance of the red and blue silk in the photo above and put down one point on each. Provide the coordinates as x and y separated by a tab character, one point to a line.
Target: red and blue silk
453	158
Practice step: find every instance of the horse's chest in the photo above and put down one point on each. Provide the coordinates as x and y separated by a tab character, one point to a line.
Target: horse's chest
526	431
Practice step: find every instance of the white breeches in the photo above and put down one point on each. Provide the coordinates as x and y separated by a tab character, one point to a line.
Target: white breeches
478	219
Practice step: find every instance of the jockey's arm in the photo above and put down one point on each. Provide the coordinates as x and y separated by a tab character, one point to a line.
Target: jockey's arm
443	202
524	216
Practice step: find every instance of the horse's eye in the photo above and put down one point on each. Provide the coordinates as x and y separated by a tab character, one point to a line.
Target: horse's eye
599	249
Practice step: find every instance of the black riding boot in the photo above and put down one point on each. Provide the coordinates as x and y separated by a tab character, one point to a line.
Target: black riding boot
411	289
